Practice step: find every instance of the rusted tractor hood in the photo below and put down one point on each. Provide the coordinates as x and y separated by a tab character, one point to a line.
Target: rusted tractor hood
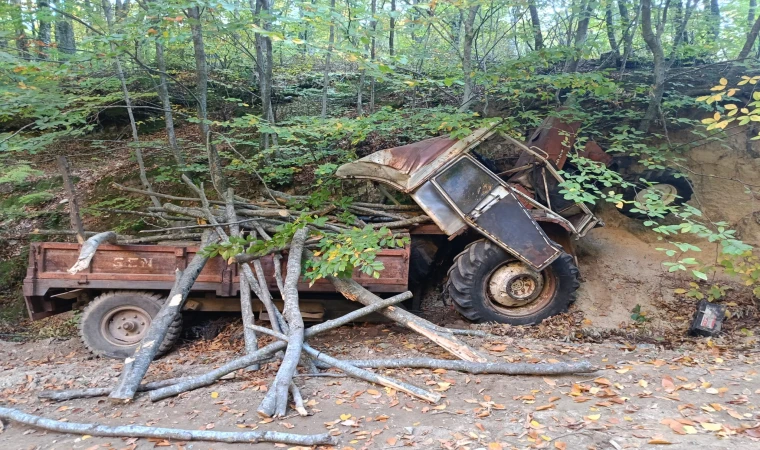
409	166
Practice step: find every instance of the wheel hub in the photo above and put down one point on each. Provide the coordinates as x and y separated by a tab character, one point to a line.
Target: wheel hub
125	325
515	284
667	193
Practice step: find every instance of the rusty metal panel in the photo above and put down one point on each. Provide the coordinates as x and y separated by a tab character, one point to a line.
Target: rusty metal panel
438	209
507	222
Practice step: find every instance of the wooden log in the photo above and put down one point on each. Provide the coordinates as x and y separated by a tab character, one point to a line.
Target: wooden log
94	429
89	248
71	394
266	352
137	365
275	401
561	368
402	223
372	377
354	291
74	216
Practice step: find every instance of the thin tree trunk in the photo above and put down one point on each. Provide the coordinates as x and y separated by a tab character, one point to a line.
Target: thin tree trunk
469	37
610	26
128	102
538	37
201	69
581	32
750	42
652	40
261	10
392	31
76	219
326	80
373	27
22	41
628	31
715	19
64	33
163	93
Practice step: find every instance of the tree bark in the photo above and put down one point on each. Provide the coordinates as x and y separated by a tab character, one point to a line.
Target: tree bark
43	27
275	402
750	42
610	27
94	429
652	40
261	9
715	19
561	368
581	32
326	79
74	216
163	93
538	37
469	37
372	55
137	365
65	40
266	352
392	30
71	394
89	248
201	70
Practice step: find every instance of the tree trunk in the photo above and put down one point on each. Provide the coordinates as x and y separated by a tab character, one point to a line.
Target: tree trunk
610	26
163	93
538	38
22	41
43	27
750	42
372	55
76	219
326	80
715	19
655	46
628	31
64	33
201	69
261	10
392	31
581	32
469	37
128	102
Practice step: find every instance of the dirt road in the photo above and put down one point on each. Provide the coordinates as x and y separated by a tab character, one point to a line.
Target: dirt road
642	397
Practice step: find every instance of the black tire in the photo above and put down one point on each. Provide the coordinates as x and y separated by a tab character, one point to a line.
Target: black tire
98	319
469	276
671	177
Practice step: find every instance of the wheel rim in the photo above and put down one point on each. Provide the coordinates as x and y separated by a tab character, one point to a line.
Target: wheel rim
667	193
125	325
515	289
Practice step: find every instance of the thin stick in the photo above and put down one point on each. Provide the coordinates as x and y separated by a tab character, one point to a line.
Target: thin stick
71	394
562	368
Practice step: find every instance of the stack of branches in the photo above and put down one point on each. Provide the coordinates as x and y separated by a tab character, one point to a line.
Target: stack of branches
291	347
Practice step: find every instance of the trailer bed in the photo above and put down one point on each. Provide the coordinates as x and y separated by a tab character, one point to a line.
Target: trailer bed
49	289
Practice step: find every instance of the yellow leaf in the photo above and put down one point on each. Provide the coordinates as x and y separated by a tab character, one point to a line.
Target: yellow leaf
717	88
494	446
594	417
723	81
659	440
730	106
86	436
619	205
689	429
345	416
711	426
716	116
214	394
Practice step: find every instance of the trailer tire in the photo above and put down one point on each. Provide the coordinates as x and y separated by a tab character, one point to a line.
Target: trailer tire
104	322
470	286
671	183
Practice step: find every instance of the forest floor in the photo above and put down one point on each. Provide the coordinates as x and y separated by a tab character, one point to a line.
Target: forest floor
697	394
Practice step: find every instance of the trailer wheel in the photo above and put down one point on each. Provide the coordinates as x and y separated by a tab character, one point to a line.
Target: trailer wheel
673	188
487	284
114	323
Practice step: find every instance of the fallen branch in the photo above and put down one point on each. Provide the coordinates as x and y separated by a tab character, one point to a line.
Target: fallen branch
402	223
137	365
561	368
89	248
94	429
275	401
71	394
265	352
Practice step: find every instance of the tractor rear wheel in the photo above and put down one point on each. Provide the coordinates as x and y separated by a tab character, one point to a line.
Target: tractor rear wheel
487	284
114	323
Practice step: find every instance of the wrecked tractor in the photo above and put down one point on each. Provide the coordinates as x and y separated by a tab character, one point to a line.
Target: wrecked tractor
519	265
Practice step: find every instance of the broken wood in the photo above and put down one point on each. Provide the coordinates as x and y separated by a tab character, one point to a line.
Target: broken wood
275	401
74	216
266	352
402	223
561	368
136	366
89	248
95	429
354	291
71	394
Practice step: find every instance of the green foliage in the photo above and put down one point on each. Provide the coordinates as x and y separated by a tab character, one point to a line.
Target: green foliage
340	254
18	174
639	316
35	198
